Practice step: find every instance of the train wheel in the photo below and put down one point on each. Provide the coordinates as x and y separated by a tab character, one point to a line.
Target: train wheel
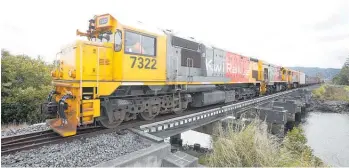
150	113
118	115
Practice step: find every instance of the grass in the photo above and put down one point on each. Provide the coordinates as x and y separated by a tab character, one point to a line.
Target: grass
252	146
332	92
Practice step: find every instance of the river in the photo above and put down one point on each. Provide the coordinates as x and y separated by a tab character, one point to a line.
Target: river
327	135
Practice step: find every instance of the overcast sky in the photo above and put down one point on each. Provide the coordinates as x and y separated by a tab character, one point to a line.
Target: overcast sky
309	33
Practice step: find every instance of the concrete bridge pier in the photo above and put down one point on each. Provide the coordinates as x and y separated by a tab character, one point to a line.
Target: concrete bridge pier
280	115
275	117
293	112
301	106
176	140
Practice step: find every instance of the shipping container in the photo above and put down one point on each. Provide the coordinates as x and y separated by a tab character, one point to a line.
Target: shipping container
301	78
295	77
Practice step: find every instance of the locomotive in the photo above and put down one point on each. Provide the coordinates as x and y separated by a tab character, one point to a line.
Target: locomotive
126	72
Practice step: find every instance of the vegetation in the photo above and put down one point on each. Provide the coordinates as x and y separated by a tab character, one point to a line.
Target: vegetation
319	92
332	92
342	78
25	84
346	88
253	146
339	91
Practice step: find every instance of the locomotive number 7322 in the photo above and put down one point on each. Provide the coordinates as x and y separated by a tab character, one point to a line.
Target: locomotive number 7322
143	63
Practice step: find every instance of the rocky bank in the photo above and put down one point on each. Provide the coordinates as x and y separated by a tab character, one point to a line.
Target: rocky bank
329	106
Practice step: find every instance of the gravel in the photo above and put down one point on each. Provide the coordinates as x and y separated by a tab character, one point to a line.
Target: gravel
82	152
24	130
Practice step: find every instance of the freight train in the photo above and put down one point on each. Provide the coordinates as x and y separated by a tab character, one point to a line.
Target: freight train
125	72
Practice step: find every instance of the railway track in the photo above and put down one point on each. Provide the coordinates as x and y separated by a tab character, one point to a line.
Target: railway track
13	144
18	143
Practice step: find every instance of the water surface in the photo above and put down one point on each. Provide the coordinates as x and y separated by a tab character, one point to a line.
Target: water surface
328	136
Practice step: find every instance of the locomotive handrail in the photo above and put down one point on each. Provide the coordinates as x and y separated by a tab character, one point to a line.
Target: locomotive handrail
81	107
97	78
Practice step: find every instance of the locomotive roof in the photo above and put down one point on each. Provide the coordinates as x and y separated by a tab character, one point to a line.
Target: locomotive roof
141	26
164	31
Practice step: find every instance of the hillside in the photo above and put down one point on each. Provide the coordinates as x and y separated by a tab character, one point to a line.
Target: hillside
327	73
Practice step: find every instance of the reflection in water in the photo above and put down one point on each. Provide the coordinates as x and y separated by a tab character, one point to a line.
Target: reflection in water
328	136
192	137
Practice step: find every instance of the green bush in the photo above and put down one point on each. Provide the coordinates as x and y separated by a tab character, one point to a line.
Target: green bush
319	92
25	84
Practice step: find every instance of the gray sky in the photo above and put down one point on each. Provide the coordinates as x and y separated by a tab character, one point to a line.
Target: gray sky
289	33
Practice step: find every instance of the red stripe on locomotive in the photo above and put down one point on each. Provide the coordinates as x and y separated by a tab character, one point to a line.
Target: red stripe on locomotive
237	67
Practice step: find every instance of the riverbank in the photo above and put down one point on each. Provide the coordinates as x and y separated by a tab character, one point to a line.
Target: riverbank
304	146
330	99
251	145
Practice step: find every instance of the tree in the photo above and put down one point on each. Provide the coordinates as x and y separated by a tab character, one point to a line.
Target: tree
25	83
342	78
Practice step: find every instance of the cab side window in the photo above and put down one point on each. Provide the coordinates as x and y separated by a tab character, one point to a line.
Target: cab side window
139	44
148	44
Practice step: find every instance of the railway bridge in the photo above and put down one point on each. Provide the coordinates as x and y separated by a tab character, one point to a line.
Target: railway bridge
279	110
